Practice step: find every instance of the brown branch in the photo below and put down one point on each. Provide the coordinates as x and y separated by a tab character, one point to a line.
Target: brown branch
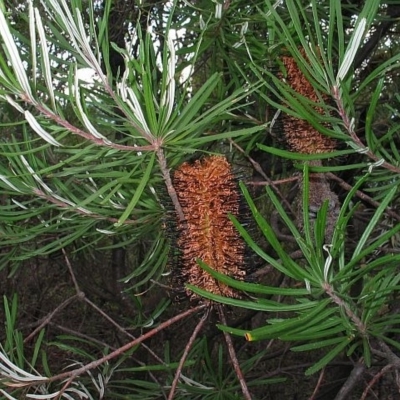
258	168
79	295
186	353
388	354
47	319
361	195
107	345
232	354
276	182
64	205
71	272
355	375
348	124
375	379
81	335
168	182
320	378
82	296
362	329
94	364
79	132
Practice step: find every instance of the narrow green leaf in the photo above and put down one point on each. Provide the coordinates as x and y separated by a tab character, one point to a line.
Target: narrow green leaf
138	193
307	249
352	48
306	209
367	351
46	69
37	348
45	363
260	304
390	341
370	115
275	330
344	342
320	334
156	367
304	157
252	287
32	36
336	11
320	227
148	89
374	220
318	345
14	57
196	102
312	328
197	142
9	325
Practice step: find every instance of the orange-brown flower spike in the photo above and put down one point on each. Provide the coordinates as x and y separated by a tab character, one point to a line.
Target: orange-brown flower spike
300	135
303	138
208	193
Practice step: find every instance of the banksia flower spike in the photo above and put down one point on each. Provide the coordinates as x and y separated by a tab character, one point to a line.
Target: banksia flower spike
208	193
303	138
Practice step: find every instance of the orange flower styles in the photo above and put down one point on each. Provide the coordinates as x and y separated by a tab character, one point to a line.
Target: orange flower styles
207	191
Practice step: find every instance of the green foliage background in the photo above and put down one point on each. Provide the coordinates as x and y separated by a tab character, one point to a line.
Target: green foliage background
84	178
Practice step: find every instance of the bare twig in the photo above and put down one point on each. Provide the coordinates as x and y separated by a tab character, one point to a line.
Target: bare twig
46	320
71	271
81	335
67	206
258	168
349	126
295	255
94	364
71	375
64	388
81	296
232	354
275	182
168	182
106	345
186	353
375	379
320	378
361	195
355	375
388	354
361	327
79	132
